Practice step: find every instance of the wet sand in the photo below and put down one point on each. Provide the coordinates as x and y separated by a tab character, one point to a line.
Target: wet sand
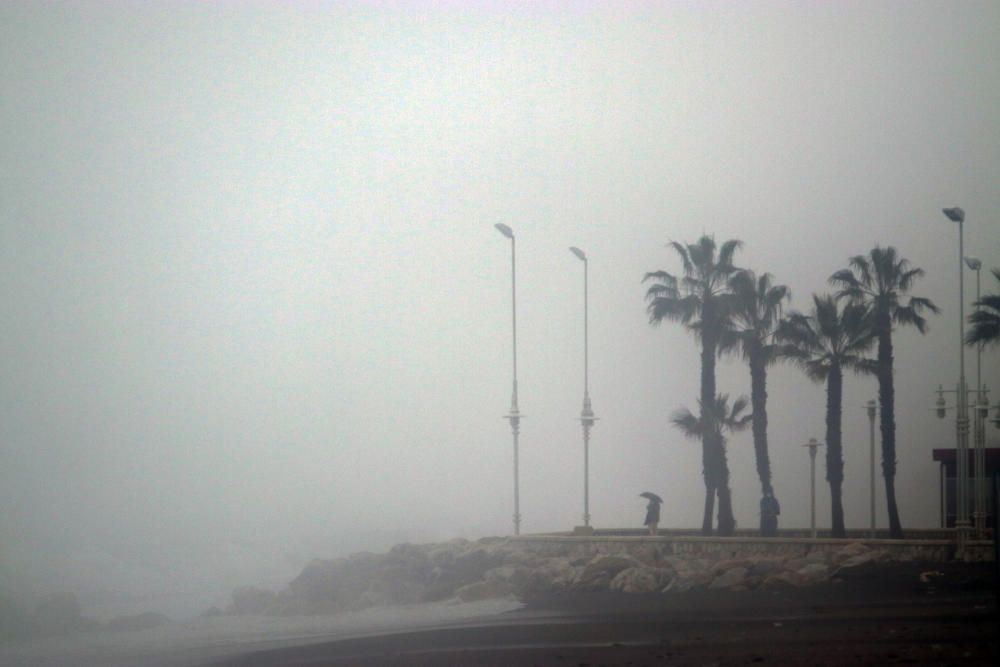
876	615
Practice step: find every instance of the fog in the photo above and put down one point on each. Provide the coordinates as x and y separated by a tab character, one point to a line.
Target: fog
256	311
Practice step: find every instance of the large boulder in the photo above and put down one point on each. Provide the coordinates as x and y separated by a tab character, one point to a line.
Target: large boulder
814	573
732	578
870	556
641	579
597	575
483	590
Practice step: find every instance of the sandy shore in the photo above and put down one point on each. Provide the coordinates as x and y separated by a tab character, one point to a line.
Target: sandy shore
876	615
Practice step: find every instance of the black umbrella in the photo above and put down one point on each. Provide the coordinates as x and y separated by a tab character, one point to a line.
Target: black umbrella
651	496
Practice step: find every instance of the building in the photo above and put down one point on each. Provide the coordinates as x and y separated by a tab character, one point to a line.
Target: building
948	460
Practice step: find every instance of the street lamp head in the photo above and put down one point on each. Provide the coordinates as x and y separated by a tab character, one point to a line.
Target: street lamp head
973	263
579	253
505	230
871	408
955	214
813	444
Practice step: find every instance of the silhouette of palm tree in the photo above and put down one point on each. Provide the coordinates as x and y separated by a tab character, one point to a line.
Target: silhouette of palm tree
824	343
756	312
699	301
880	281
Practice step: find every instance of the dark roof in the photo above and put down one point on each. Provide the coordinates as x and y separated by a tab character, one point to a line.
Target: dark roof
949	456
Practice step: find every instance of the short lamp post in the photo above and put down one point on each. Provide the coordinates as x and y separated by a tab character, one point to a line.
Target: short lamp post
812	445
870	407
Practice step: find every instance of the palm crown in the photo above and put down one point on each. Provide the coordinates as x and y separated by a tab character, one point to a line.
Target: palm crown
718	417
827	338
880	280
985	320
754	313
697	294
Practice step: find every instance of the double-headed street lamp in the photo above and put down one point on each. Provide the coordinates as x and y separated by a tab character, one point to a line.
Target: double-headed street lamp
514	416
980	412
812	445
956	214
587	417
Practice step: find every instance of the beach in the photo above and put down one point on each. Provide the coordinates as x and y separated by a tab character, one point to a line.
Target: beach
878	614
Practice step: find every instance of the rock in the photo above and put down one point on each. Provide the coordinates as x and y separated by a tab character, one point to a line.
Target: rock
471	567
850	550
763	568
641	580
784	579
134	622
597	575
814	573
483	590
870	556
731	578
724	565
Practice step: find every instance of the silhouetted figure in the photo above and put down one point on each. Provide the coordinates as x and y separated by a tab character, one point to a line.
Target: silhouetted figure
652	511
769	511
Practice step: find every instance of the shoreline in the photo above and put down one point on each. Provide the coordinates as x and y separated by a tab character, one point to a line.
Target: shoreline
878	614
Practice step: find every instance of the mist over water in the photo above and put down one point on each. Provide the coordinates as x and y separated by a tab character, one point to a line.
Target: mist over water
255	311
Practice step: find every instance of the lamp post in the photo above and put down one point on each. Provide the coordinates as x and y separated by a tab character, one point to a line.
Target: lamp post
812	445
514	416
871	458
956	214
980	413
587	417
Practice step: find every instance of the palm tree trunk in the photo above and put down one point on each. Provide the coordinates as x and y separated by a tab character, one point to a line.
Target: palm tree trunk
727	522
887	423
758	400
706	521
709	459
834	449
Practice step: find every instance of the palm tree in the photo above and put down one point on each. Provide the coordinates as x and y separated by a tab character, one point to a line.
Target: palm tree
825	343
756	312
881	281
714	420
698	300
985	320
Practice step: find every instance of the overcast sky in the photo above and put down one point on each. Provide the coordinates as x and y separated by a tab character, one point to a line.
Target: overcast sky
255	309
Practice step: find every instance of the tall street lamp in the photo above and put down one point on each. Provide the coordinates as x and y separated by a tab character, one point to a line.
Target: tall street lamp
587	417
514	416
956	214
871	458
812	445
980	413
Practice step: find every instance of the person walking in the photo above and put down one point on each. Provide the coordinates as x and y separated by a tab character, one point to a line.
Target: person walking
652	511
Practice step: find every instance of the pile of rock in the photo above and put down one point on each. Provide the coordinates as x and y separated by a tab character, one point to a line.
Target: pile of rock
493	568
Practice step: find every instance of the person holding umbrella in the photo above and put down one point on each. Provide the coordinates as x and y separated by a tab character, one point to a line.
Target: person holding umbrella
652	510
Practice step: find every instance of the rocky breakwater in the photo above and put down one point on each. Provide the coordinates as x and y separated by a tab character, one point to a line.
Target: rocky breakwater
490	568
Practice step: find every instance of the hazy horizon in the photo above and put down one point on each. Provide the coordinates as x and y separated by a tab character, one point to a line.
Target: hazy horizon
257	312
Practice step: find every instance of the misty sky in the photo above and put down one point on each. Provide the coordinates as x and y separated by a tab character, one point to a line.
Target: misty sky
255	309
